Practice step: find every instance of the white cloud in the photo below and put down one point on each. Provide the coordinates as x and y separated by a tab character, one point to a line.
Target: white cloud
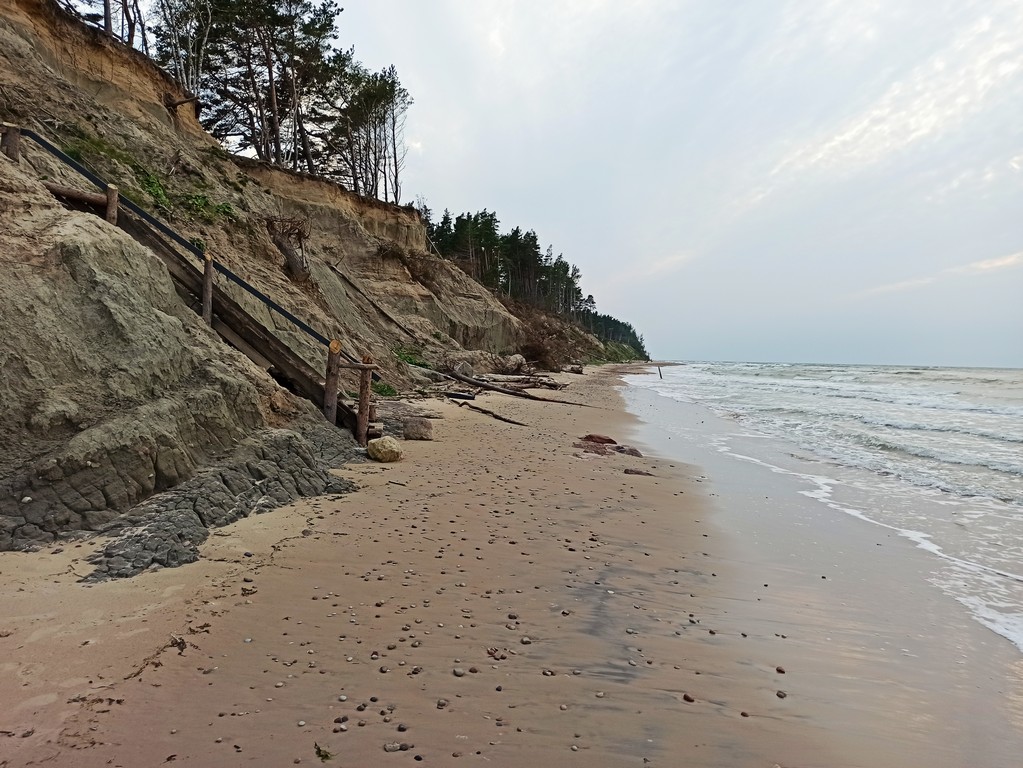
934	99
973	268
665	265
988	265
903	285
830	24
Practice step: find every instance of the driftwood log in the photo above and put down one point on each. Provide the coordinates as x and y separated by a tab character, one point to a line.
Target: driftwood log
497	416
530	382
513	392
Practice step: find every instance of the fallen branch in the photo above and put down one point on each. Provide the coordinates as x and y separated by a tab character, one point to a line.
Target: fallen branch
497	416
530	382
512	392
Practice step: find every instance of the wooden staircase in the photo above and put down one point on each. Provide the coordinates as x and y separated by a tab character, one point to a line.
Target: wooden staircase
230	321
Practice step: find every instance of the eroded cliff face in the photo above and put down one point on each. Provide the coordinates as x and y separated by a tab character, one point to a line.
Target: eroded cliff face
85	68
113	389
106	103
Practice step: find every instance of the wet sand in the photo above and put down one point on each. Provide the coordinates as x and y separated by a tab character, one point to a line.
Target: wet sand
500	596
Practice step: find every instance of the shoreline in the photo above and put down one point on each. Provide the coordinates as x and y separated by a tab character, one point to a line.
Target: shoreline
513	598
904	664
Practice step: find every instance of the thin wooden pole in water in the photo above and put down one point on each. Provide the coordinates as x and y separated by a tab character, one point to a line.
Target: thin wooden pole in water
659	372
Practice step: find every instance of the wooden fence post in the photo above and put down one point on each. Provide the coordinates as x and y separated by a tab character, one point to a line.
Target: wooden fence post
207	290
330	382
10	142
362	422
113	200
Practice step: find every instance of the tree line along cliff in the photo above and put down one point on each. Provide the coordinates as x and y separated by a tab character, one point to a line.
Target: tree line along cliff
272	79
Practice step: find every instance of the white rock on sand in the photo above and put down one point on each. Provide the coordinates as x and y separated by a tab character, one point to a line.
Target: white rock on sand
385	449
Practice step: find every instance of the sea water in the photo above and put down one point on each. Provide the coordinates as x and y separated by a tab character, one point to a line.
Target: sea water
933	454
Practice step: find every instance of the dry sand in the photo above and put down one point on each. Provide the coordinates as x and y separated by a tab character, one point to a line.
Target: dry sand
500	596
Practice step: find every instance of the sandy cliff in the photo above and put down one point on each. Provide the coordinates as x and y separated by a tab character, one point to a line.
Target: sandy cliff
113	389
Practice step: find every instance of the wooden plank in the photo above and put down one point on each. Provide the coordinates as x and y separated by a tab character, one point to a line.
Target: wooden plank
236	341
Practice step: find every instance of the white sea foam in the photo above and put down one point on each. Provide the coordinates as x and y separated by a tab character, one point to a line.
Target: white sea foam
933	455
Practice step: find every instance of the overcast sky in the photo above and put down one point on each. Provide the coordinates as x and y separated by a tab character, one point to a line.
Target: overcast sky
812	180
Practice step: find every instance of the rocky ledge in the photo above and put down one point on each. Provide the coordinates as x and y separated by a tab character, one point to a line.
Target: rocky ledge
267	471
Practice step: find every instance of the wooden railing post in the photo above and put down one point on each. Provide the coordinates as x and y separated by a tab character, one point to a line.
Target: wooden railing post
10	141
113	200
207	290
330	382
362	421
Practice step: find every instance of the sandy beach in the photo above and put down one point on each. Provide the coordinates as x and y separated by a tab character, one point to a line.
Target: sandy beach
501	596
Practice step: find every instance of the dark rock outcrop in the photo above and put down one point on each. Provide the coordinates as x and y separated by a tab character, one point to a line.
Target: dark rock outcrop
269	470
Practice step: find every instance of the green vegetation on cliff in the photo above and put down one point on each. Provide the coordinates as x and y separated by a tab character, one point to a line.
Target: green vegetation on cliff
272	81
514	266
